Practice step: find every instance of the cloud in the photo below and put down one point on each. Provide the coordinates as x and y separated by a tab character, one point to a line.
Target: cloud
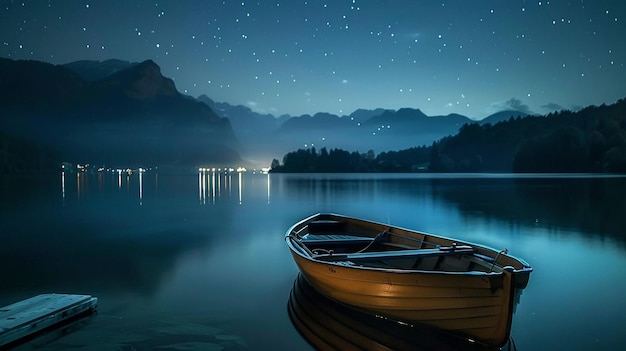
552	106
517	105
511	104
255	107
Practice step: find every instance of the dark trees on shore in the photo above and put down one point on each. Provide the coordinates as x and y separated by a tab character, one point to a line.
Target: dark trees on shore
592	140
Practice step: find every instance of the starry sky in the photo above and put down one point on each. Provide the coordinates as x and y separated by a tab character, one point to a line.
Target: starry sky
303	57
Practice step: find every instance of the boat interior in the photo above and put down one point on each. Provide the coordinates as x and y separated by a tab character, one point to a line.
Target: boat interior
332	241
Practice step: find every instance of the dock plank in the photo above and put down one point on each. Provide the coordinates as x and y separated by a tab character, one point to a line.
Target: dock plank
32	315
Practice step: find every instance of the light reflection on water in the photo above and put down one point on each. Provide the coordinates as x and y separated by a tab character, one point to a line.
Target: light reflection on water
205	251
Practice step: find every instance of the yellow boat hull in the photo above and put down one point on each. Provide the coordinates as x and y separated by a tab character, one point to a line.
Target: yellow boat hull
329	325
477	305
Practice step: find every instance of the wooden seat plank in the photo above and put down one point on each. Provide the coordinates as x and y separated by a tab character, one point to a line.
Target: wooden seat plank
398	254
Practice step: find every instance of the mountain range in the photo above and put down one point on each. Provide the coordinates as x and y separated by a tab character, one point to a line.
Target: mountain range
132	116
117	111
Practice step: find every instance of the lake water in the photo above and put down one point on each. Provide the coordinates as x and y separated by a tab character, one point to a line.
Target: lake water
198	261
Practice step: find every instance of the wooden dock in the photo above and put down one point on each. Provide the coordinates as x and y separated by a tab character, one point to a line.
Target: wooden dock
25	318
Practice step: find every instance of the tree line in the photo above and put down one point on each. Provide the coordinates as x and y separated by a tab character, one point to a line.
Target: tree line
592	140
341	161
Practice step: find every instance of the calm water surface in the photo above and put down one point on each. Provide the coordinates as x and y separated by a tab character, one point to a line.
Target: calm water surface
198	261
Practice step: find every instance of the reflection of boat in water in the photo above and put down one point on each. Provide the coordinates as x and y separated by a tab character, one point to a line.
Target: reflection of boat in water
410	276
329	325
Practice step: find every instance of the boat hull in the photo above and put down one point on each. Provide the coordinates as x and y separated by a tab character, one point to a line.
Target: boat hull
329	325
476	305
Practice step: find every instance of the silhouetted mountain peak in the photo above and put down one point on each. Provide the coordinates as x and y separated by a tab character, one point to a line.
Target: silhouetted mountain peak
133	115
319	121
207	100
455	115
142	81
325	115
411	112
360	115
92	70
401	116
242	117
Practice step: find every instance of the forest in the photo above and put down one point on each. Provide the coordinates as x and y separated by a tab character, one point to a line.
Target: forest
591	140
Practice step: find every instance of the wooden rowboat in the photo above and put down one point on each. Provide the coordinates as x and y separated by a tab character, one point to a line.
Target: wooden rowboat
410	276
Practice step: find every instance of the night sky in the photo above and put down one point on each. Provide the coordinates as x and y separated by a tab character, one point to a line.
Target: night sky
469	57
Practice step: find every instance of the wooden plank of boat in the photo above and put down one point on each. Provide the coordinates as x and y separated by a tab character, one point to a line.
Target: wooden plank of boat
335	239
30	316
443	251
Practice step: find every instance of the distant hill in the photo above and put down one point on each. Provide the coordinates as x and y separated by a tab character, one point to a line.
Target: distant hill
132	116
414	122
378	130
362	115
321	121
255	131
121	111
592	140
265	136
245	122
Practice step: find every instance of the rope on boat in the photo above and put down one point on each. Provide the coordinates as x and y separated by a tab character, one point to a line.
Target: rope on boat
296	233
295	237
378	237
319	251
503	251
